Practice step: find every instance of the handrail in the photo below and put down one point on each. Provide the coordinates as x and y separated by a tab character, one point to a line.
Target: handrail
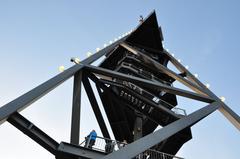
155	99
154	154
108	146
179	111
102	144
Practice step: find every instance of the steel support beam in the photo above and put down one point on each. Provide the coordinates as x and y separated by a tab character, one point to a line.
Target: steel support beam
148	83
33	132
68	151
141	145
181	68
100	85
76	109
224	109
33	95
230	115
153	63
95	107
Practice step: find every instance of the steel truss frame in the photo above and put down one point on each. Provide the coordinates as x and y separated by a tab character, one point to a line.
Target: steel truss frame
81	72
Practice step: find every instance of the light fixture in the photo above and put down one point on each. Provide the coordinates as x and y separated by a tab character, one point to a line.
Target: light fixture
222	98
89	54
172	54
75	60
179	60
196	75
208	85
61	68
97	49
187	67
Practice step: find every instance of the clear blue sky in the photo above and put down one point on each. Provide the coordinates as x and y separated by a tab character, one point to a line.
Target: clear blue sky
36	37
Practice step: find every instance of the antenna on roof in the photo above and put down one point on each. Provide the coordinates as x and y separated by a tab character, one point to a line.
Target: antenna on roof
140	19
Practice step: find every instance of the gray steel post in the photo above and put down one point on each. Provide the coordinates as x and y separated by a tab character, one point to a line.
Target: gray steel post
76	109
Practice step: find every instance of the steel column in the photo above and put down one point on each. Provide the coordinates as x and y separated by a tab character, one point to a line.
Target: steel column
76	108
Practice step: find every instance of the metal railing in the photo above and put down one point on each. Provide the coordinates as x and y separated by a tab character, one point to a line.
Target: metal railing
108	146
157	100
154	154
179	111
103	144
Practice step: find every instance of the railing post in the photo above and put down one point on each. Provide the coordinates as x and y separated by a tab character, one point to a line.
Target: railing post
88	140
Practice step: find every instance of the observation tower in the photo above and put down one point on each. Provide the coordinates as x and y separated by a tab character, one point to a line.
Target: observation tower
136	88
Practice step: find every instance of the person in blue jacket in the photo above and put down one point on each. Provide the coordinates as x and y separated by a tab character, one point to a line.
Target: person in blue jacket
92	138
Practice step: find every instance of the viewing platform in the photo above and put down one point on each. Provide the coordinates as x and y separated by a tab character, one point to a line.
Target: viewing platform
106	146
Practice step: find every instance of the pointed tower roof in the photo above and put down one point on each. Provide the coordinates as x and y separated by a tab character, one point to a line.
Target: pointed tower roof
147	34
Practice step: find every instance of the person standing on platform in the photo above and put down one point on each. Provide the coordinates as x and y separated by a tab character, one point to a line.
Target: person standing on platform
91	139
